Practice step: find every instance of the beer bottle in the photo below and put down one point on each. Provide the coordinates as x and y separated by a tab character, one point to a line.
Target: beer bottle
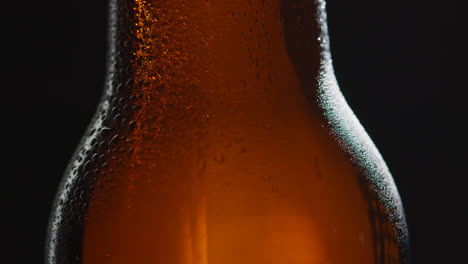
222	138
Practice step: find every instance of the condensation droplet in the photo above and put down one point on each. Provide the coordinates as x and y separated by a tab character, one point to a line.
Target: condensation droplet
219	158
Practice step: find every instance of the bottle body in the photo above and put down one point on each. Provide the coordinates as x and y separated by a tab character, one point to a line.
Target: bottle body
222	137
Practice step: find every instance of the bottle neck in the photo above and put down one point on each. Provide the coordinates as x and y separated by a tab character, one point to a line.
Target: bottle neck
162	46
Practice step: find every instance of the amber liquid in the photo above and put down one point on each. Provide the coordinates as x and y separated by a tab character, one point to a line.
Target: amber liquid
211	149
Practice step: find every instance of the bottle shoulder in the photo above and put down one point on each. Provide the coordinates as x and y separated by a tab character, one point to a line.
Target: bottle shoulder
352	138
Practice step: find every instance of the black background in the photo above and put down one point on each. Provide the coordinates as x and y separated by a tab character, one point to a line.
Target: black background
396	63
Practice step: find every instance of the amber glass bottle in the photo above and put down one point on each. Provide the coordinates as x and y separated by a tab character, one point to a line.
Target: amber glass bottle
222	138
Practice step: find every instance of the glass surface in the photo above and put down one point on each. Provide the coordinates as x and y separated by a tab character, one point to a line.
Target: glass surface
222	138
